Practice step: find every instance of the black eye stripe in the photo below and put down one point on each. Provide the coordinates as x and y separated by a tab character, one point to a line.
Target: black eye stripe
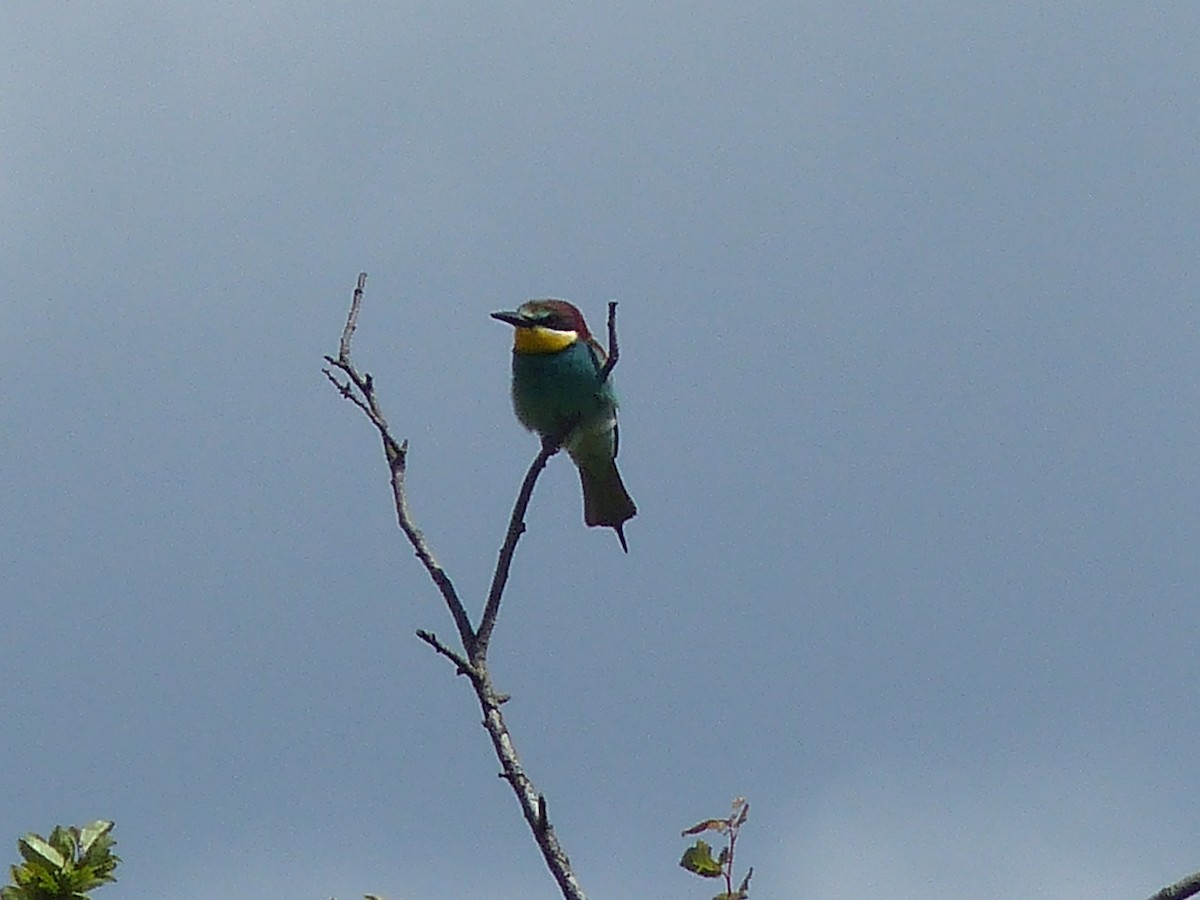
555	321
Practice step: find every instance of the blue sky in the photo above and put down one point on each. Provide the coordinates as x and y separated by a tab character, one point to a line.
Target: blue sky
908	327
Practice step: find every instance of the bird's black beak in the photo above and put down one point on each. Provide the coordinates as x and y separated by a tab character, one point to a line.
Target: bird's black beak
512	318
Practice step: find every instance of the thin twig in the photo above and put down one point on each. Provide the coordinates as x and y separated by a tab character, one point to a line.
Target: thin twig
464	667
352	319
1180	890
613	351
344	388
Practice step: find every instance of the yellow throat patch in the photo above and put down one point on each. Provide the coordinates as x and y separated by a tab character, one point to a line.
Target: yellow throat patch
542	340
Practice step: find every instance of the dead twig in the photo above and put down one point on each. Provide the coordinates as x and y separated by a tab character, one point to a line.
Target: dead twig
613	350
1180	890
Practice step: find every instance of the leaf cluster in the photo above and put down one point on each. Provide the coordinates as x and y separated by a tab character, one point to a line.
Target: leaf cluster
698	858
64	866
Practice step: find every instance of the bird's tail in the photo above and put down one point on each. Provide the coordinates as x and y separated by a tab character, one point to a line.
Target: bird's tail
605	500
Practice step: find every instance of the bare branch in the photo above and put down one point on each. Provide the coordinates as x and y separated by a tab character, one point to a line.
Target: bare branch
516	527
1180	890
359	388
533	804
397	463
346	391
352	319
613	349
464	667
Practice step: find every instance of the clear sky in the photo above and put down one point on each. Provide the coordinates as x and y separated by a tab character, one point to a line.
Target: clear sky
909	315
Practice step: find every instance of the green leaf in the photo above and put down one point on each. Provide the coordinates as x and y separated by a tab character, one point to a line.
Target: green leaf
98	860
39	853
90	833
63	840
698	859
35	878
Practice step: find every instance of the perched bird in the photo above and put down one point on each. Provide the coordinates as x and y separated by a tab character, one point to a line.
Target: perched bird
557	389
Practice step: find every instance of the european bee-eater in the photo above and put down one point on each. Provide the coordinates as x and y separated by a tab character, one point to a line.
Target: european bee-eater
556	386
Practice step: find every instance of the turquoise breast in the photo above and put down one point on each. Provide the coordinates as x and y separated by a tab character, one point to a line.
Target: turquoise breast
550	390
